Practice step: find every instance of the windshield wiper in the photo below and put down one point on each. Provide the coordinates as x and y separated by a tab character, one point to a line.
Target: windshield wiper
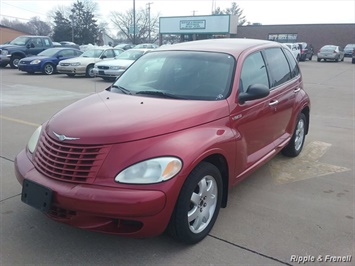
161	94
125	91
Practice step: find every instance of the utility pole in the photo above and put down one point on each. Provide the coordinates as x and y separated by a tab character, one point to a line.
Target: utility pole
134	21
193	12
72	24
149	28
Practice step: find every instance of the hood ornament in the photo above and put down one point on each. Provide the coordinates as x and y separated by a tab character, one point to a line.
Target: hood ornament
63	137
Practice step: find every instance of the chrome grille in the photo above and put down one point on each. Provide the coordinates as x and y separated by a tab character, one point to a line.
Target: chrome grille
102	67
64	64
68	162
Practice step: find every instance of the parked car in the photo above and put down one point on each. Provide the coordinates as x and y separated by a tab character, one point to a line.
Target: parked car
348	50
306	51
295	49
146	46
47	61
112	69
125	46
84	64
161	147
330	52
353	57
70	44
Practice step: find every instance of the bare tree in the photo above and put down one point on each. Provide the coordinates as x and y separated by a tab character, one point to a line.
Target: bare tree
39	27
146	26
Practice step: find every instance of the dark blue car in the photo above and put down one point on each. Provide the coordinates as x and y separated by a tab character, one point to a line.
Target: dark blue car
47	61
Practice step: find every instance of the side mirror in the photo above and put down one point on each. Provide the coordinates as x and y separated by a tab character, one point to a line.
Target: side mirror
59	56
254	92
103	57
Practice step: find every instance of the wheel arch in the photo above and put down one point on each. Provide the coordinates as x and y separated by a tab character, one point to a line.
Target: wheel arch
221	163
306	112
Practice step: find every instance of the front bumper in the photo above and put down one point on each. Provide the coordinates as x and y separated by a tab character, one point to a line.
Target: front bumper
108	73
4	59
133	212
71	69
29	68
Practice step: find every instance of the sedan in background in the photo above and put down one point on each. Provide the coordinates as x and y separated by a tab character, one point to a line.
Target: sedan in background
330	52
147	46
111	69
84	64
348	50
46	62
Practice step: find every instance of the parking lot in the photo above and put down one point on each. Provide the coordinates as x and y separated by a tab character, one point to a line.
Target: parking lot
289	212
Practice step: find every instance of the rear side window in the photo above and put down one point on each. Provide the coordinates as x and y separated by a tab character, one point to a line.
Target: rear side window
295	71
253	72
278	66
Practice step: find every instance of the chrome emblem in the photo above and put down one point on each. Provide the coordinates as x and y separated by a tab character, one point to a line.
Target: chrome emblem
63	137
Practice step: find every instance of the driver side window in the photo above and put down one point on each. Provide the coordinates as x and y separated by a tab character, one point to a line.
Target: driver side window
253	72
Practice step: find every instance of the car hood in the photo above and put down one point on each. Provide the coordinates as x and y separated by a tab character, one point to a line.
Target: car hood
116	62
107	118
82	60
31	58
9	46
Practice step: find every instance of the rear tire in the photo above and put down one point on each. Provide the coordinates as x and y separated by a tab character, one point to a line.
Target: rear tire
90	71
198	204
294	147
48	69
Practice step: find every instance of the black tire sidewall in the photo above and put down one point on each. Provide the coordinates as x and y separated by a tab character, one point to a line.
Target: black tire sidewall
179	218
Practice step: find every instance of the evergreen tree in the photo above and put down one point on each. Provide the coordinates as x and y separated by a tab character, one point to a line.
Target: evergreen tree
62	30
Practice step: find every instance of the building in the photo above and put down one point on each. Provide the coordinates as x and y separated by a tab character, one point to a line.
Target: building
315	34
8	34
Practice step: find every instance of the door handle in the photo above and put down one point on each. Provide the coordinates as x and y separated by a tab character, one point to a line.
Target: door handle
296	90
274	102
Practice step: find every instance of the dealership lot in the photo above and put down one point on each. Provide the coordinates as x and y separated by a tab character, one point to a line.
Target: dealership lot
289	211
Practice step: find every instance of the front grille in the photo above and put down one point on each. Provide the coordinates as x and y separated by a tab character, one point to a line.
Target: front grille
102	67
64	64
68	162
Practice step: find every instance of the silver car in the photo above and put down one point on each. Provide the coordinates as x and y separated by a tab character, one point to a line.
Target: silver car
330	52
111	69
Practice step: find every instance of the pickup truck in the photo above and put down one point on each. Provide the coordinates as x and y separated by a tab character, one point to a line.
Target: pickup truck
21	47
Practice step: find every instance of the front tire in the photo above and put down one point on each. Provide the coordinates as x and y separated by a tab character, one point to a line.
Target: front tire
14	61
294	147
198	205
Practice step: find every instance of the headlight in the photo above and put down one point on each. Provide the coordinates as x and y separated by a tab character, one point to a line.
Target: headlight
35	62
4	52
32	143
75	64
150	171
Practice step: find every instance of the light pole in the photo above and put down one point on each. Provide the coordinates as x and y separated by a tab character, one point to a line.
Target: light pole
134	21
72	24
149	28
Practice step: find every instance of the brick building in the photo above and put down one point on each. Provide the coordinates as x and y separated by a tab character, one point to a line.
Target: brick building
315	34
8	34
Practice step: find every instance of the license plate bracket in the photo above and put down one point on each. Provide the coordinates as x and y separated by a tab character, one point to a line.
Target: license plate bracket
36	195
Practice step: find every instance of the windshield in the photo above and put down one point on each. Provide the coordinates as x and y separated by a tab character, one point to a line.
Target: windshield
94	53
179	74
48	52
130	55
20	41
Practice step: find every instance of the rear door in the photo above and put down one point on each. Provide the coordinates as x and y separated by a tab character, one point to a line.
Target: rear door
285	84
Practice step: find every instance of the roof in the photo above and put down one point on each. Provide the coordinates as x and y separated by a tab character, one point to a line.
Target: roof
233	46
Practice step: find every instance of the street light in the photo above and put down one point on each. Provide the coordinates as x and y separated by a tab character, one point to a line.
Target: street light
134	21
149	27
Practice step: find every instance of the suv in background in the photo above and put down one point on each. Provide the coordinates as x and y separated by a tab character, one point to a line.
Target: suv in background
295	49
306	51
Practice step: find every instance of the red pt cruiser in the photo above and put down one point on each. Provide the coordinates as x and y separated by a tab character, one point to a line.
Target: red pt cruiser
160	148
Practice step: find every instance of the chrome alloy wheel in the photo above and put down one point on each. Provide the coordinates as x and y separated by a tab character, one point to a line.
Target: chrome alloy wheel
203	204
299	134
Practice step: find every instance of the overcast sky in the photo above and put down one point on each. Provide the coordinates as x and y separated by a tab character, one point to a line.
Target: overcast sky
261	11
